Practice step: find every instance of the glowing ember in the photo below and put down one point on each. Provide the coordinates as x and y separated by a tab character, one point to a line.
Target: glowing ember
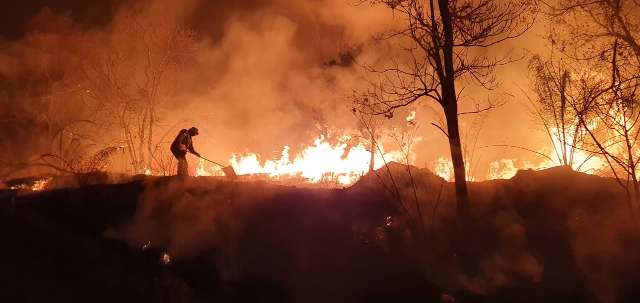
19	187
146	246
166	258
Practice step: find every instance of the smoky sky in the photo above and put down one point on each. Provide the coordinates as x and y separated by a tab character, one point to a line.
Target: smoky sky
16	14
270	73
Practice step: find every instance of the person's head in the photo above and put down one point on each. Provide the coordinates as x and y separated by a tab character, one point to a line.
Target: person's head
193	131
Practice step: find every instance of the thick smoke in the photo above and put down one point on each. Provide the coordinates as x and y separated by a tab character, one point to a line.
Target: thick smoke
555	231
264	74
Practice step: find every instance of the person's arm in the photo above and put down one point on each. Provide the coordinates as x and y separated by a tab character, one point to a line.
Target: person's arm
190	147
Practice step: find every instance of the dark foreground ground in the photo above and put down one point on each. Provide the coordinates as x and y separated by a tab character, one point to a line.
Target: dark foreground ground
550	236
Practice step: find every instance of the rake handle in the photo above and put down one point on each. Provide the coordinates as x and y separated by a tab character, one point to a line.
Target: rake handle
216	163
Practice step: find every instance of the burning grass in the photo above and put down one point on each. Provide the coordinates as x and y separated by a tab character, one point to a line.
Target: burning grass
30	184
323	163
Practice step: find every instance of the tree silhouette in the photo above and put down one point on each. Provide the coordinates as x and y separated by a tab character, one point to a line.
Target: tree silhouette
133	75
599	39
439	43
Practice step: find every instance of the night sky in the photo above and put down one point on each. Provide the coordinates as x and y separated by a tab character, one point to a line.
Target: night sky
16	14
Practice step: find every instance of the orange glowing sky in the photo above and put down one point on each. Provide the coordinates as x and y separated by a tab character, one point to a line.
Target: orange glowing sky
267	74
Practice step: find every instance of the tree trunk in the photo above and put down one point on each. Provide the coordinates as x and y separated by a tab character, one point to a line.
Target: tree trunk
373	155
462	195
450	106
150	138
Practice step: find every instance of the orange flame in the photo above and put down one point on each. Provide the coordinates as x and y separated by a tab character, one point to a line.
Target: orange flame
38	185
321	162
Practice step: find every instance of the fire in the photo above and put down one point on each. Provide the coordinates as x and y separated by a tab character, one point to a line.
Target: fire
578	159
38	185
147	171
444	169
321	162
165	259
202	170
411	118
502	169
41	184
581	160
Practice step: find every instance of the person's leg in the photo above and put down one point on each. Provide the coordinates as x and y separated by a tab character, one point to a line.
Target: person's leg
183	168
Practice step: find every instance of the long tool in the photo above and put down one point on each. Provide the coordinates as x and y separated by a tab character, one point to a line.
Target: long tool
227	170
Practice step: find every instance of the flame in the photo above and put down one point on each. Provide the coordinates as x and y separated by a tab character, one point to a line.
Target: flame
578	159
204	171
147	171
411	118
38	185
165	259
320	162
444	168
581	160
502	169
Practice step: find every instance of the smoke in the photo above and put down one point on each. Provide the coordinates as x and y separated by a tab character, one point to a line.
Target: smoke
607	261
587	215
256	58
561	232
265	61
184	219
269	73
264	74
557	232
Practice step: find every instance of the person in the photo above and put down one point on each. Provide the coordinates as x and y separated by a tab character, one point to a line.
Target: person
180	146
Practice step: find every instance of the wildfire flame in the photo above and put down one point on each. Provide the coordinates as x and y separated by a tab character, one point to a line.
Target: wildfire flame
147	171
321	162
38	185
342	164
502	169
580	160
444	168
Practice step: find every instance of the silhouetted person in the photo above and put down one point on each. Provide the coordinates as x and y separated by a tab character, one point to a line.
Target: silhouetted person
180	146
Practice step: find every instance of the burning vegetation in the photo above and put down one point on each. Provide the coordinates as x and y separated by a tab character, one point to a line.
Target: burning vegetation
471	149
322	162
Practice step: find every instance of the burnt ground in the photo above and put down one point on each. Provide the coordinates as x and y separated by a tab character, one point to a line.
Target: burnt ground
549	236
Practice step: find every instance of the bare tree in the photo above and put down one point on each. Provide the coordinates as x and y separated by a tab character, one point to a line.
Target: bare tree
370	129
594	25
439	42
45	99
134	75
601	39
551	80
